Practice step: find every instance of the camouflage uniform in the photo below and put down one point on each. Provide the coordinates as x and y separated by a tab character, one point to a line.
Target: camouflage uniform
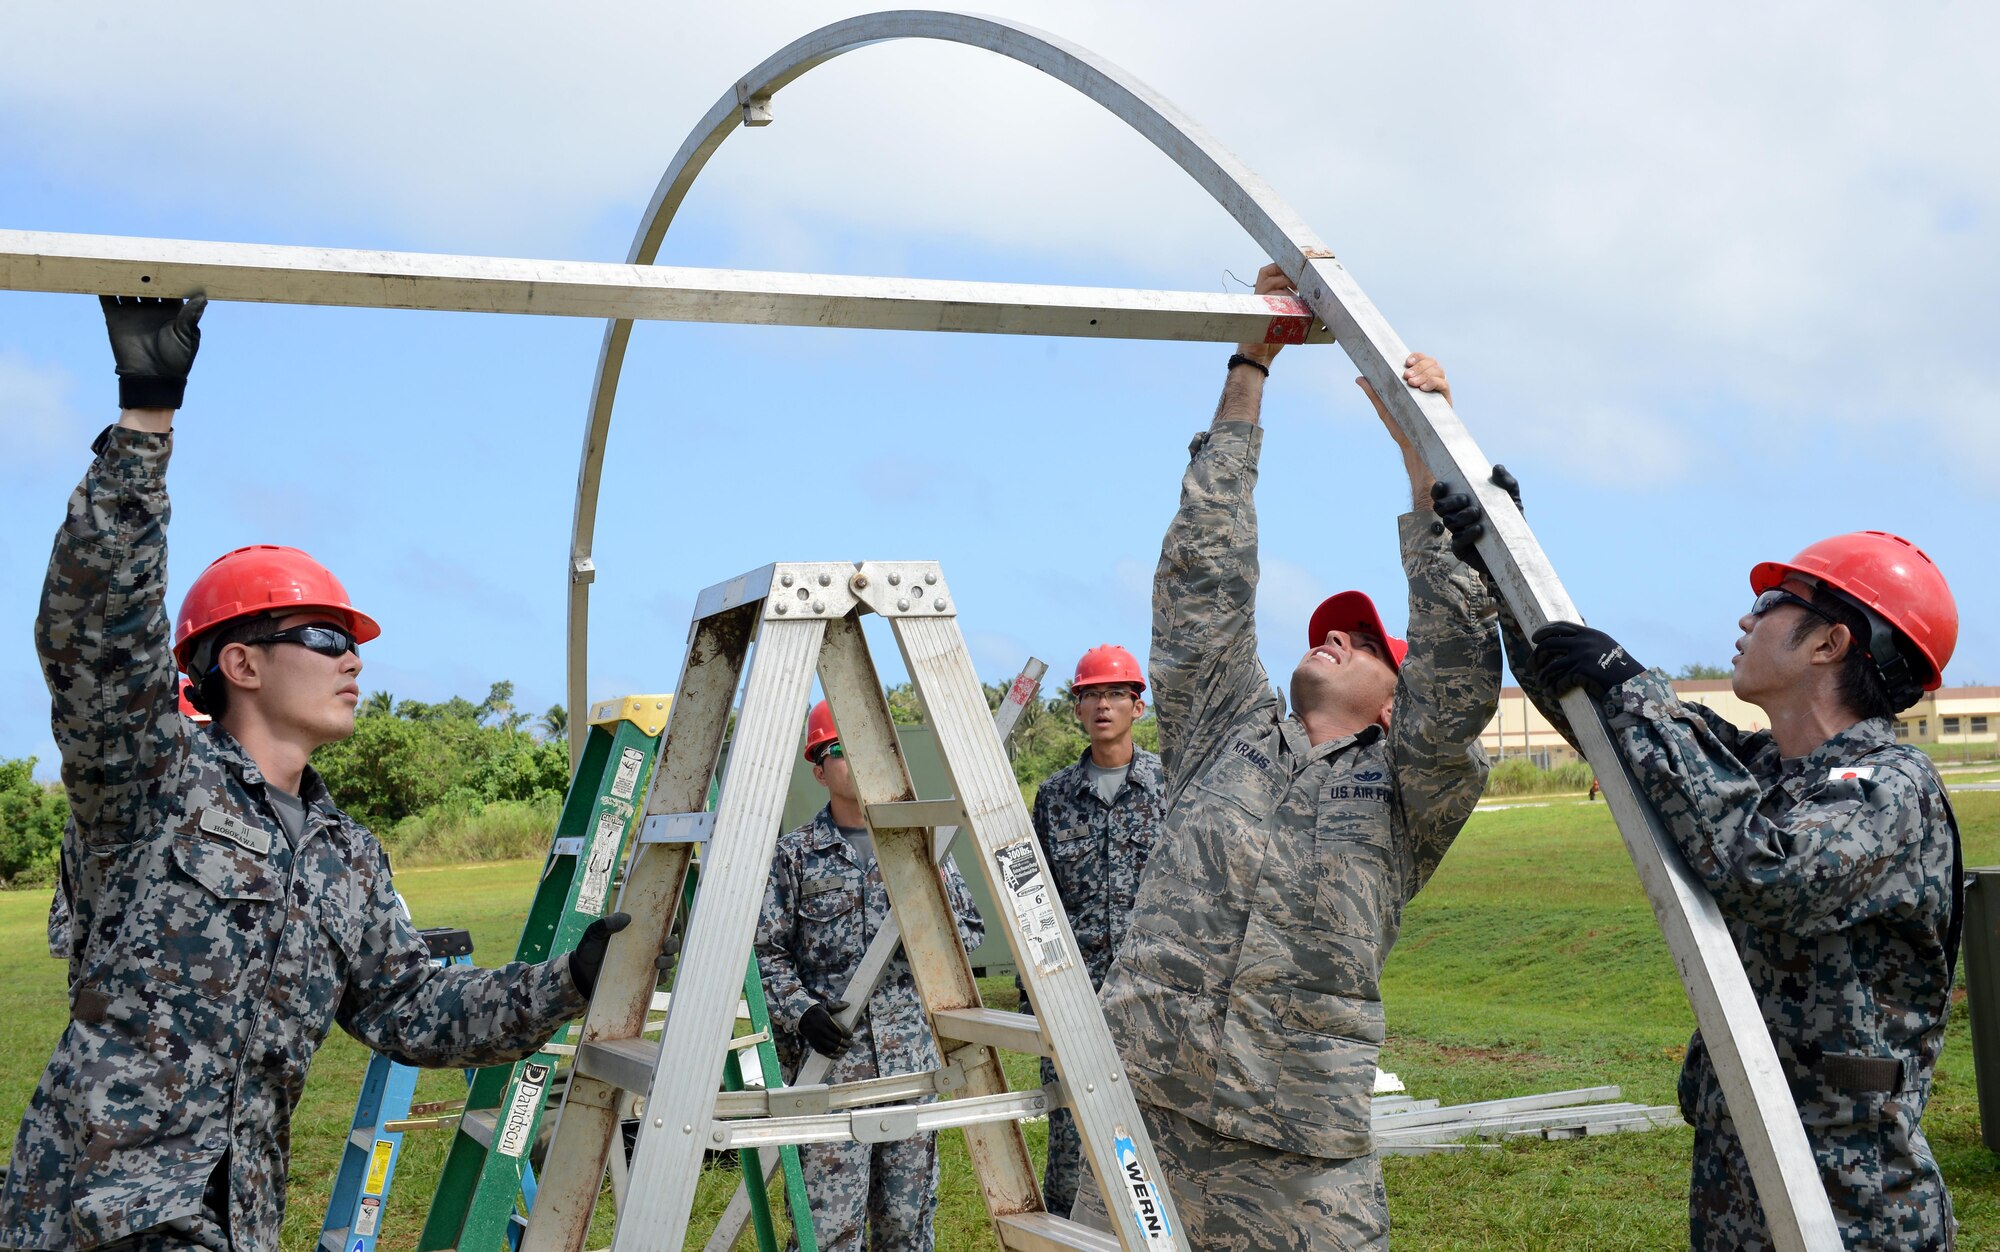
1247	994
210	953
1836	873
820	911
1097	855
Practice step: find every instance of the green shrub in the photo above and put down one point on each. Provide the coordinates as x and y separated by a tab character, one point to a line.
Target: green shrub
1520	776
31	825
464	828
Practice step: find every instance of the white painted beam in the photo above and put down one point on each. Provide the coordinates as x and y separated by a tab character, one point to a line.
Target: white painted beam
358	278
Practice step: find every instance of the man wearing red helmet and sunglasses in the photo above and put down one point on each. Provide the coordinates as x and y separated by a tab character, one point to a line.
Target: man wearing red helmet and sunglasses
1830	849
1246	998
225	913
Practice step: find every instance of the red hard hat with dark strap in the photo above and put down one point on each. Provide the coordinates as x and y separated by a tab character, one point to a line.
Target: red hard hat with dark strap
819	729
1108	663
1349	611
263	578
1888	575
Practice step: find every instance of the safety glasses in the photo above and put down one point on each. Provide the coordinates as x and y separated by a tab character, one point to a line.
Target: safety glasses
321	637
831	750
1778	595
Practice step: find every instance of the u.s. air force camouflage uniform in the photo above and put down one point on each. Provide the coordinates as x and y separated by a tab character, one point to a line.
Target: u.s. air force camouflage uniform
1097	855
1837	874
821	910
1246	998
211	952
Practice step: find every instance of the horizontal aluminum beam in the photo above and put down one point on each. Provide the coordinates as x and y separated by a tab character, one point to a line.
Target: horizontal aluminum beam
275	274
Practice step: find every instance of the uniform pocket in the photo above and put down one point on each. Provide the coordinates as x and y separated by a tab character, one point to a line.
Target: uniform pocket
226	870
1313	1055
1356	880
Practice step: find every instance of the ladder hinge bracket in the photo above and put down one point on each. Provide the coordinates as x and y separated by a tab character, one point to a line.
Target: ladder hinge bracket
904	589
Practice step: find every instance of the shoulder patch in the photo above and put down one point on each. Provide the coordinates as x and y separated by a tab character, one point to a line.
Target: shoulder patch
1841	773
236	830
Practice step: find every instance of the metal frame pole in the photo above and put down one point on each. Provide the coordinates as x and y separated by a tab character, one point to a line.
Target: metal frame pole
1746	1062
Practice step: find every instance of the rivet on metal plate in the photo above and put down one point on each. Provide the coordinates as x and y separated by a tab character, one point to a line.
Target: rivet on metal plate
785	580
895	579
930	580
826	580
783	608
938	604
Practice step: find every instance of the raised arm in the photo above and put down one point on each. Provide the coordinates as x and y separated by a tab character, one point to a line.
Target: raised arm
1204	662
1449	684
102	635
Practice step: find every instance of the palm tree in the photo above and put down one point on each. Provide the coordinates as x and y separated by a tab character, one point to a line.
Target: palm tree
378	704
555	722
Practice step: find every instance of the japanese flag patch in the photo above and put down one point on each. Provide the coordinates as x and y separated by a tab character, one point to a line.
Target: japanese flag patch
1840	773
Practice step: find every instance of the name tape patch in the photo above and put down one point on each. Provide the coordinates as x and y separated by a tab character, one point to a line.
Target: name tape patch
236	830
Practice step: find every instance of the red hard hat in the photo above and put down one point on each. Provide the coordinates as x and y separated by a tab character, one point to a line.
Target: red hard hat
1351	611
189	711
1888	574
819	728
263	578
1108	663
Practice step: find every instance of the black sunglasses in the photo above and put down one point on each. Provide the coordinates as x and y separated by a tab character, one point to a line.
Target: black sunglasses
1778	595
321	637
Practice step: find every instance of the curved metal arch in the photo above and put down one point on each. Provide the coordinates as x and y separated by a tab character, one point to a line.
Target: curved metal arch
1746	1063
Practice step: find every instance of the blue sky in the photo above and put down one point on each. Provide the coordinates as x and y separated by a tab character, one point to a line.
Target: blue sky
1715	282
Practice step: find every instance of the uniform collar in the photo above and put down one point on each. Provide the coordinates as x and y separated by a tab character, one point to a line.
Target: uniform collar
312	789
1301	745
1868	735
1144	773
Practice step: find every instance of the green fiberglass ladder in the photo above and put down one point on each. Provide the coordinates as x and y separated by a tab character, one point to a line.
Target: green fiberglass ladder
770	630
478	1193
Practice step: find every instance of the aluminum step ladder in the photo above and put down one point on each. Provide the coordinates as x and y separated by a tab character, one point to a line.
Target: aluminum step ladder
476	1205
860	988
780	623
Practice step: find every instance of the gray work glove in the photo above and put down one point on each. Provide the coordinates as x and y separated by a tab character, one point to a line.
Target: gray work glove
153	342
1463	517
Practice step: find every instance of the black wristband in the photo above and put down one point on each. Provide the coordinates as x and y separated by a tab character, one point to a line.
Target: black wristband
1259	366
136	392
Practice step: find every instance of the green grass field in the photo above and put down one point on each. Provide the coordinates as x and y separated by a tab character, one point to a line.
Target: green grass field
1530	964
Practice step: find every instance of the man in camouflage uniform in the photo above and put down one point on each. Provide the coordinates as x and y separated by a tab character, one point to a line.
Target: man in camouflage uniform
1830	849
1096	821
224	912
1246	999
822	906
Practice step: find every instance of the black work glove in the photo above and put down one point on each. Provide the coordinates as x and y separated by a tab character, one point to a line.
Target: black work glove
153	342
587	960
820	1030
1568	655
1463	517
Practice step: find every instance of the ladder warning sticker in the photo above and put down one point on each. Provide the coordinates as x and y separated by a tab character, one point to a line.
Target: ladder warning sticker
379	1157
603	856
1155	1231
370	1215
519	1123
1034	905
630	762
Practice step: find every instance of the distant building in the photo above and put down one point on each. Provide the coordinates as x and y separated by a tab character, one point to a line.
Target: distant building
1949	717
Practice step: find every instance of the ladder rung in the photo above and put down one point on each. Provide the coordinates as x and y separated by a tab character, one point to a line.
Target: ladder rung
478	1123
820	1098
902	814
624	1063
879	1125
993	1028
1045	1232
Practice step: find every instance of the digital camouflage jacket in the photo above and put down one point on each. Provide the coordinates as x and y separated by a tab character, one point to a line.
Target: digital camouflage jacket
1836	874
1247	994
820	912
210	954
1097	852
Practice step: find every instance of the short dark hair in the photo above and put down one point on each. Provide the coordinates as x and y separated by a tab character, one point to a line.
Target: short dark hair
208	690
1862	686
